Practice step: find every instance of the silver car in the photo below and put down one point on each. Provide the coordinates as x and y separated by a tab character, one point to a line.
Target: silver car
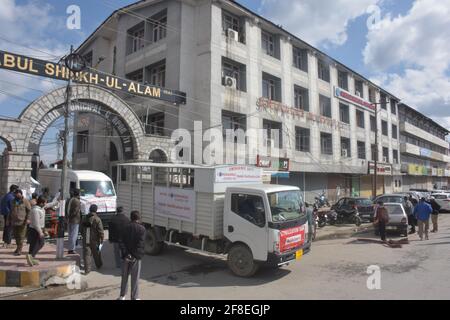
398	220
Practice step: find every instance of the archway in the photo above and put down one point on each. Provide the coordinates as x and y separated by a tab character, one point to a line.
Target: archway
158	156
24	135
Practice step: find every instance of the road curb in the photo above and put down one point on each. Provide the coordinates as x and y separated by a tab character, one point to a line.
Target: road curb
34	278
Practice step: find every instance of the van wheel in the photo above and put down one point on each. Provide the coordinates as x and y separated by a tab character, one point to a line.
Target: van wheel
152	246
240	261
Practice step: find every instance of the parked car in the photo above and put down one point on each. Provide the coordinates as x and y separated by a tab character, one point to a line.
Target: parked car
392	198
398	221
443	199
348	205
415	196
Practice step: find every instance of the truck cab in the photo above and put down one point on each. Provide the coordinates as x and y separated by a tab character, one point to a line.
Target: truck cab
270	220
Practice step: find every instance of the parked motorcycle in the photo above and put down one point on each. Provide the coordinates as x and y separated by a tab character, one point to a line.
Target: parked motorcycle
321	218
344	218
321	201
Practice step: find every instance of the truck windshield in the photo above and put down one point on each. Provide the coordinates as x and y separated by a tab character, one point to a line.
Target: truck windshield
286	205
97	189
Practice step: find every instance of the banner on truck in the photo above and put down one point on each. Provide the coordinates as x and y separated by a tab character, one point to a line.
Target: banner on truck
175	203
292	238
239	174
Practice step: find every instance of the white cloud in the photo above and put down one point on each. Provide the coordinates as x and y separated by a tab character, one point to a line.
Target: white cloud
417	44
316	21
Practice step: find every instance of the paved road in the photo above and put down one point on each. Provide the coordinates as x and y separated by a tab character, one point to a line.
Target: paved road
335	269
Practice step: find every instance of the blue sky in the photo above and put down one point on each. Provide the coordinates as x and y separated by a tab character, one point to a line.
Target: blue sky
406	50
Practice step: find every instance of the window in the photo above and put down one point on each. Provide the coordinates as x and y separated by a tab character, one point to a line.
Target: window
136	38
234	70
359	89
326	143
360	119
154	124
384	128
88	59
233	121
271	87
343	80
268	43
300	58
324	70
383	101
137	76
385	154
373	124
361	150
302	138
393	107
372	95
395	156
345	148
325	106
250	208
83	141
374	152
156	74
233	22
344	114
301	98
394	131
158	26
268	126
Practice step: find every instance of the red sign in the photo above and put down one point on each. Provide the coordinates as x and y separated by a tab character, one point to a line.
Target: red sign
292	238
345	95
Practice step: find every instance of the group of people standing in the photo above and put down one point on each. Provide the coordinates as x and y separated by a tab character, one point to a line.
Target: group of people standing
23	219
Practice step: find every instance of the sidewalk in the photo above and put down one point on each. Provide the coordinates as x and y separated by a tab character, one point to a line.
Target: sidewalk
15	272
341	231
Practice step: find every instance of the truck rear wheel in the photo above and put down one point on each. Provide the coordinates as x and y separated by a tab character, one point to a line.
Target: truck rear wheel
240	261
152	246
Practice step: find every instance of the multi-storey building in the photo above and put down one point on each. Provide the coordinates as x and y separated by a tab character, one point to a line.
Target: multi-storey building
424	151
240	70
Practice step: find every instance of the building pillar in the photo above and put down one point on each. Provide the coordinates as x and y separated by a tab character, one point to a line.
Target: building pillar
16	170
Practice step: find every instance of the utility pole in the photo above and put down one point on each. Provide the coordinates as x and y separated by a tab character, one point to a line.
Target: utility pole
374	190
75	63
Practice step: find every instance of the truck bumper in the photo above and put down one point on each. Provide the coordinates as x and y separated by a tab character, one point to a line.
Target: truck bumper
279	259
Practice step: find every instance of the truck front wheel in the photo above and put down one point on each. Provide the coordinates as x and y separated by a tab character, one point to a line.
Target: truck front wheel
152	246
240	261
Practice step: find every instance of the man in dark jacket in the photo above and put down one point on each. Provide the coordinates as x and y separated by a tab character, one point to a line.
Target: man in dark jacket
5	207
435	214
116	226
73	220
133	239
92	232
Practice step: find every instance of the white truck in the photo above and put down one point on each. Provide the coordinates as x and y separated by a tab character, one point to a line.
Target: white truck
95	188
219	210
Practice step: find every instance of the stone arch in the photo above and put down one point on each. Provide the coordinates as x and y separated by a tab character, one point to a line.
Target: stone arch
39	115
158	156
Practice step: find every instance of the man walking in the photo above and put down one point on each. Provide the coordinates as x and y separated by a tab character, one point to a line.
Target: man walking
422	213
20	212
92	232
409	208
381	219
116	226
435	214
36	230
132	253
6	206
73	220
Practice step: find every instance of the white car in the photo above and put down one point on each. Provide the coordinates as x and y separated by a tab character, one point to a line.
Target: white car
443	199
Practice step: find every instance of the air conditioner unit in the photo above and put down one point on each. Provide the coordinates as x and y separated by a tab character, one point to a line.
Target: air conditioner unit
344	153
230	82
385	160
358	93
232	34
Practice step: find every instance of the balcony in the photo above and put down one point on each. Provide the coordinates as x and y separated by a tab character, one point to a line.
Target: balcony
417	132
422	152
